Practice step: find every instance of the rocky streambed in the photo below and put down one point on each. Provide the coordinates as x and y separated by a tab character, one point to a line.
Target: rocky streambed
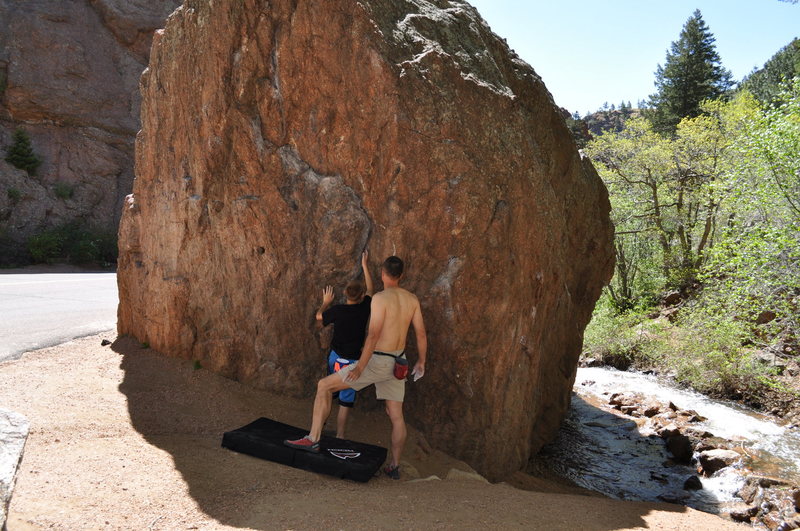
632	436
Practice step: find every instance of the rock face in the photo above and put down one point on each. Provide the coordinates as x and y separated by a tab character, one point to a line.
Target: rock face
69	75
279	139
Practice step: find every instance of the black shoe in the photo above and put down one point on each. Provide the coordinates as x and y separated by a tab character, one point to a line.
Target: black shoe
392	471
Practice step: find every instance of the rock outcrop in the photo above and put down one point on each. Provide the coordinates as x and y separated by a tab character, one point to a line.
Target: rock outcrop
279	139
13	434
69	76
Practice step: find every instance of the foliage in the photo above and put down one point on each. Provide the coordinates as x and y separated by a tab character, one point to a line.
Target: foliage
692	73
707	353
714	211
64	191
765	83
14	194
20	154
620	340
74	244
666	194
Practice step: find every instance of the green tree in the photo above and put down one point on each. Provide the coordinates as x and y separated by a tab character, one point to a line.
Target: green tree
20	154
766	83
692	73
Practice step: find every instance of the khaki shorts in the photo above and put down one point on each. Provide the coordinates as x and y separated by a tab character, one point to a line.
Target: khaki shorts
379	371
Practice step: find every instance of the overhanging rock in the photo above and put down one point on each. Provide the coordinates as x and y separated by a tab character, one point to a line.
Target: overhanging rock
280	138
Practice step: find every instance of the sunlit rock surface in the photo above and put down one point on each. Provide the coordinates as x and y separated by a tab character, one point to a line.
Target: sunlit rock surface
282	138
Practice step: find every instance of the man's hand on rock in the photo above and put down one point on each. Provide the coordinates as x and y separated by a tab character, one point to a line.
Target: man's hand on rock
327	295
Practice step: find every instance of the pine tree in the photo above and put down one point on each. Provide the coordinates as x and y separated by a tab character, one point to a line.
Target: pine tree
21	154
692	73
766	83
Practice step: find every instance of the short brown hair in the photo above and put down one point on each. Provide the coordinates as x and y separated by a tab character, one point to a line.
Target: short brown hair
393	267
354	290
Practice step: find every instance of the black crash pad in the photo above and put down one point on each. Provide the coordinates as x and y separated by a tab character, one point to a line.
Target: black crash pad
337	457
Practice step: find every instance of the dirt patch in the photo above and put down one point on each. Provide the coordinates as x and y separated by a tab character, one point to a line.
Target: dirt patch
123	438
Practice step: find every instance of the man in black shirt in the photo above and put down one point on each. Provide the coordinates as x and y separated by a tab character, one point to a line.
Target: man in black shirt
349	330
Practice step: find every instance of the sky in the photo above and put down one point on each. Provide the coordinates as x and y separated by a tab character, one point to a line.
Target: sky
590	52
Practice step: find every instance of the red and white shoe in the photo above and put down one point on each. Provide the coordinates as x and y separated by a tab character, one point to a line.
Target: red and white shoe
305	444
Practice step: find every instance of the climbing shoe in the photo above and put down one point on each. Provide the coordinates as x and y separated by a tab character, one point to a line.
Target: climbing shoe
305	444
392	471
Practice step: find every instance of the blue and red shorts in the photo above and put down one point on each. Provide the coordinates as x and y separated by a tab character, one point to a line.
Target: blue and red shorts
346	397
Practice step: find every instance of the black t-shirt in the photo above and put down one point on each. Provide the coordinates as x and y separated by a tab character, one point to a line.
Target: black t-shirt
349	327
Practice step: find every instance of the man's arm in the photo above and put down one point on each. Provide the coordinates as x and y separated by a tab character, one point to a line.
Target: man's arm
376	319
327	299
367	275
422	341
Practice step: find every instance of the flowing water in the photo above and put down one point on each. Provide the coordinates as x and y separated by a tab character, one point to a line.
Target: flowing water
616	456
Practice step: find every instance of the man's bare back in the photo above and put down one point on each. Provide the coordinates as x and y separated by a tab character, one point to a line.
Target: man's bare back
398	308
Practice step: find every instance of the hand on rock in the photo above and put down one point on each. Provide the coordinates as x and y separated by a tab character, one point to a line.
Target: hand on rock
327	295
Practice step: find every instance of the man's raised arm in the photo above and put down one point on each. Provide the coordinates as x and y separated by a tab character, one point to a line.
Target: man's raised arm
367	275
422	342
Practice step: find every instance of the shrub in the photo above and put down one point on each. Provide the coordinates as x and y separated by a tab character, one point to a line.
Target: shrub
20	154
14	194
621	340
64	191
74	244
46	247
707	354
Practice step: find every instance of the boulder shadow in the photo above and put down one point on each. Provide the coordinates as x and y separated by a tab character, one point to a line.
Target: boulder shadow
184	410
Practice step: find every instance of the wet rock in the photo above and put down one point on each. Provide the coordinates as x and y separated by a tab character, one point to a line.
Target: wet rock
652	411
671	430
319	129
789	525
768	481
713	460
673	407
692	483
105	343
680	446
772	520
676	498
796	499
751	491
699	434
744	514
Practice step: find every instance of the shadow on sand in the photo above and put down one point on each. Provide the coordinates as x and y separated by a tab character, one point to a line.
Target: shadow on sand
184	411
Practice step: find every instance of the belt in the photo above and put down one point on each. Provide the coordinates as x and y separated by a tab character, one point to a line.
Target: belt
395	356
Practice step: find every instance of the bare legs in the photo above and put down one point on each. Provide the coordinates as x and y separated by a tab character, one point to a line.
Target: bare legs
322	403
341	421
395	412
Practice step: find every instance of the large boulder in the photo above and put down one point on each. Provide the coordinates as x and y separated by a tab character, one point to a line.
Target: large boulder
282	138
69	76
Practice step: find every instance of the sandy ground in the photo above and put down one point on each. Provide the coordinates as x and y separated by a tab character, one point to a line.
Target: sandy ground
122	438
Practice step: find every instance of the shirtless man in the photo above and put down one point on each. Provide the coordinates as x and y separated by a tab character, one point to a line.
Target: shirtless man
393	310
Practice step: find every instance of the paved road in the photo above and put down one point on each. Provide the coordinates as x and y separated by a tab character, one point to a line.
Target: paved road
39	310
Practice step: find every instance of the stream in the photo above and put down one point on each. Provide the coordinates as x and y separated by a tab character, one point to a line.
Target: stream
626	459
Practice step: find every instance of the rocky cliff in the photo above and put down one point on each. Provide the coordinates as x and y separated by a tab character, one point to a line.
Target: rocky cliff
69	77
281	138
